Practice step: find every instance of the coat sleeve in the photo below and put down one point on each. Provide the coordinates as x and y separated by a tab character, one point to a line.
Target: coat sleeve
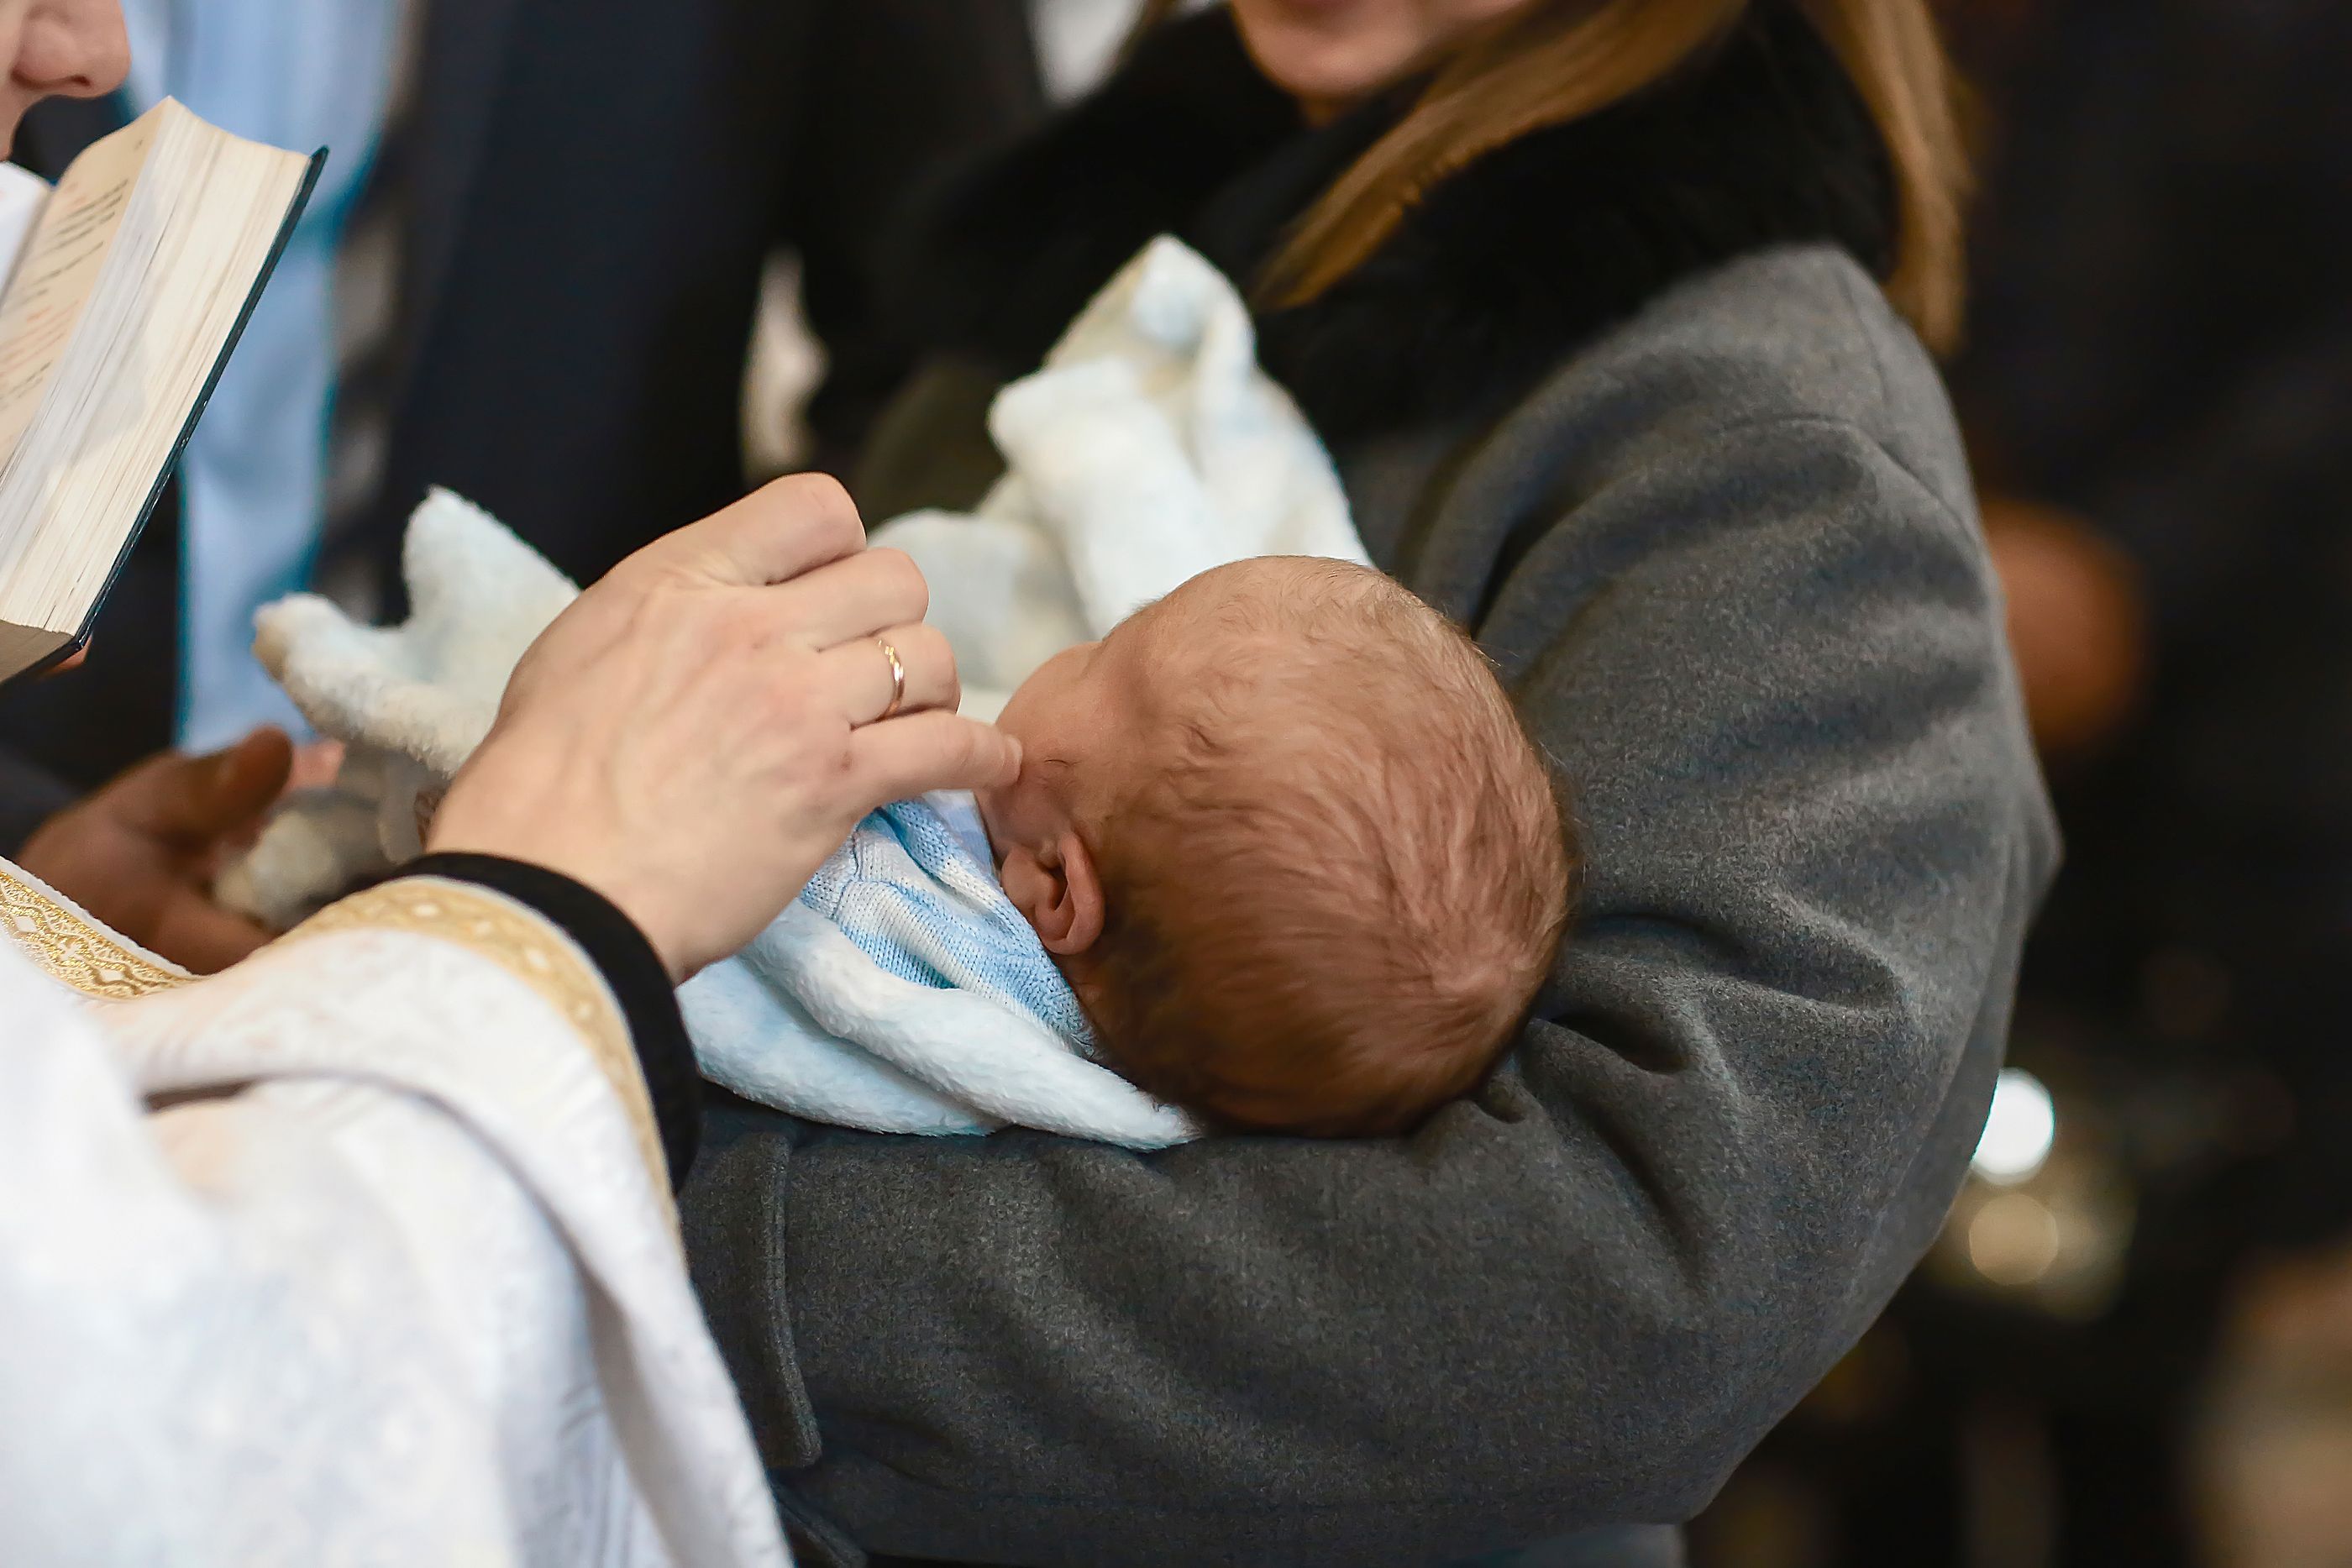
1769	657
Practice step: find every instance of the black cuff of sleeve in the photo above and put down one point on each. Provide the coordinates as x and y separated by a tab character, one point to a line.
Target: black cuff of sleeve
630	967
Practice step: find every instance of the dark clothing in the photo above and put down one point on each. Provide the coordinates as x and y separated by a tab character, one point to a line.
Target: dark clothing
2163	342
593	187
1624	401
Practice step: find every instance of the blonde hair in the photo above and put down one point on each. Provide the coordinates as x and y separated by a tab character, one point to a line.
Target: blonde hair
1553	61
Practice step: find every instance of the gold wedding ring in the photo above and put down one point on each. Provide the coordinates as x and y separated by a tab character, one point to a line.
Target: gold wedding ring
897	678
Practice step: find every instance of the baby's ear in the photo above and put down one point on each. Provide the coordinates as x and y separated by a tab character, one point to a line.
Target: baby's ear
1058	890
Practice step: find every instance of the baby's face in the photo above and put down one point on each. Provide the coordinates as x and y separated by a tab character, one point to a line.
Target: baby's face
1076	718
1085	718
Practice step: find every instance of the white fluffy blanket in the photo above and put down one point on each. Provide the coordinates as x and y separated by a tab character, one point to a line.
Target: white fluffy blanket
1149	448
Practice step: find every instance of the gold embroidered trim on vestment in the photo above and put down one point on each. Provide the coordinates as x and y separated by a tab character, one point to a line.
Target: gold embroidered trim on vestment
521	942
72	948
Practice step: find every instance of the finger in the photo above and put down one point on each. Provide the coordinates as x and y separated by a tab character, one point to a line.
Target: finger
773	535
197	800
859	673
316	765
925	751
852	599
197	933
72	661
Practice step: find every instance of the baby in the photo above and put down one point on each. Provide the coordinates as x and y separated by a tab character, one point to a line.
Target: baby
1284	837
1279	856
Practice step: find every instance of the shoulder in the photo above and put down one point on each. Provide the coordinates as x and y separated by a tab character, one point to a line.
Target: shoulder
1777	384
1798	342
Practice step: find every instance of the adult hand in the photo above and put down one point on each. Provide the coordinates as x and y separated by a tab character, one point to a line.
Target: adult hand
2076	623
702	728
140	854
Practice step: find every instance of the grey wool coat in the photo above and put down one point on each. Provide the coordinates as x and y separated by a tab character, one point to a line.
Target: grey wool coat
1696	490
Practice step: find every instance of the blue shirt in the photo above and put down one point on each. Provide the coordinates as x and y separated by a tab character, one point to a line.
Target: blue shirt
300	74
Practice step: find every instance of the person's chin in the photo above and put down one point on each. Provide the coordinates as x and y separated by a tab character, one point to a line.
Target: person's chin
1313	64
12	105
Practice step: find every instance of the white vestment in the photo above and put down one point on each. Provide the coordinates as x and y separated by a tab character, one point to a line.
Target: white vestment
362	1251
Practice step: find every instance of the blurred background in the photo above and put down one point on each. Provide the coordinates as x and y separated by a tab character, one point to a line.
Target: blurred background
2133	1344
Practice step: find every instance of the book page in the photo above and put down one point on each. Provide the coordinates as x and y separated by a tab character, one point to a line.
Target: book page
58	269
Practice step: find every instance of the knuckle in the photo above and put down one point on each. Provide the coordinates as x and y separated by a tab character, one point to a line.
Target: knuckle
825	502
742	623
904	579
932	650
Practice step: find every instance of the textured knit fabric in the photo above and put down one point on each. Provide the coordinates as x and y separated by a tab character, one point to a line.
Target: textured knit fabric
915	891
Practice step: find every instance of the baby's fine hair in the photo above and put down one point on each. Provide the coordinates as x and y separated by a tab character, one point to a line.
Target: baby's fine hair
1330	909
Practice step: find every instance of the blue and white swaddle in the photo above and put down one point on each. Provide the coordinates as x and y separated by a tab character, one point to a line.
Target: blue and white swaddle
902	992
915	889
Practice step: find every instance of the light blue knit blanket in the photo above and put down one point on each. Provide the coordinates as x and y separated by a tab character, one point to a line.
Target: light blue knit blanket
903	992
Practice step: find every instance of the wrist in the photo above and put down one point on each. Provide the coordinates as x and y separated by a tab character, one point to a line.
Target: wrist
615	945
642	910
527	838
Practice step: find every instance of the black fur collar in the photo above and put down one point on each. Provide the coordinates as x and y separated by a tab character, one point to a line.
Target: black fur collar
1495	276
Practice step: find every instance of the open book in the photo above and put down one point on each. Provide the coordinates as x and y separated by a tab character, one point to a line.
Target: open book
127	285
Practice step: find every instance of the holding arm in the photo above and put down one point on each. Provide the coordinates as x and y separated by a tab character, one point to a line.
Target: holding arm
1767	656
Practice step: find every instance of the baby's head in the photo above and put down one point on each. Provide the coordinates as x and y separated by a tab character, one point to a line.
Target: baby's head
1284	836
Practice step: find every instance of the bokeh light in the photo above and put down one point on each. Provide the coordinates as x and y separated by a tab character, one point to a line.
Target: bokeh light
2019	1130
